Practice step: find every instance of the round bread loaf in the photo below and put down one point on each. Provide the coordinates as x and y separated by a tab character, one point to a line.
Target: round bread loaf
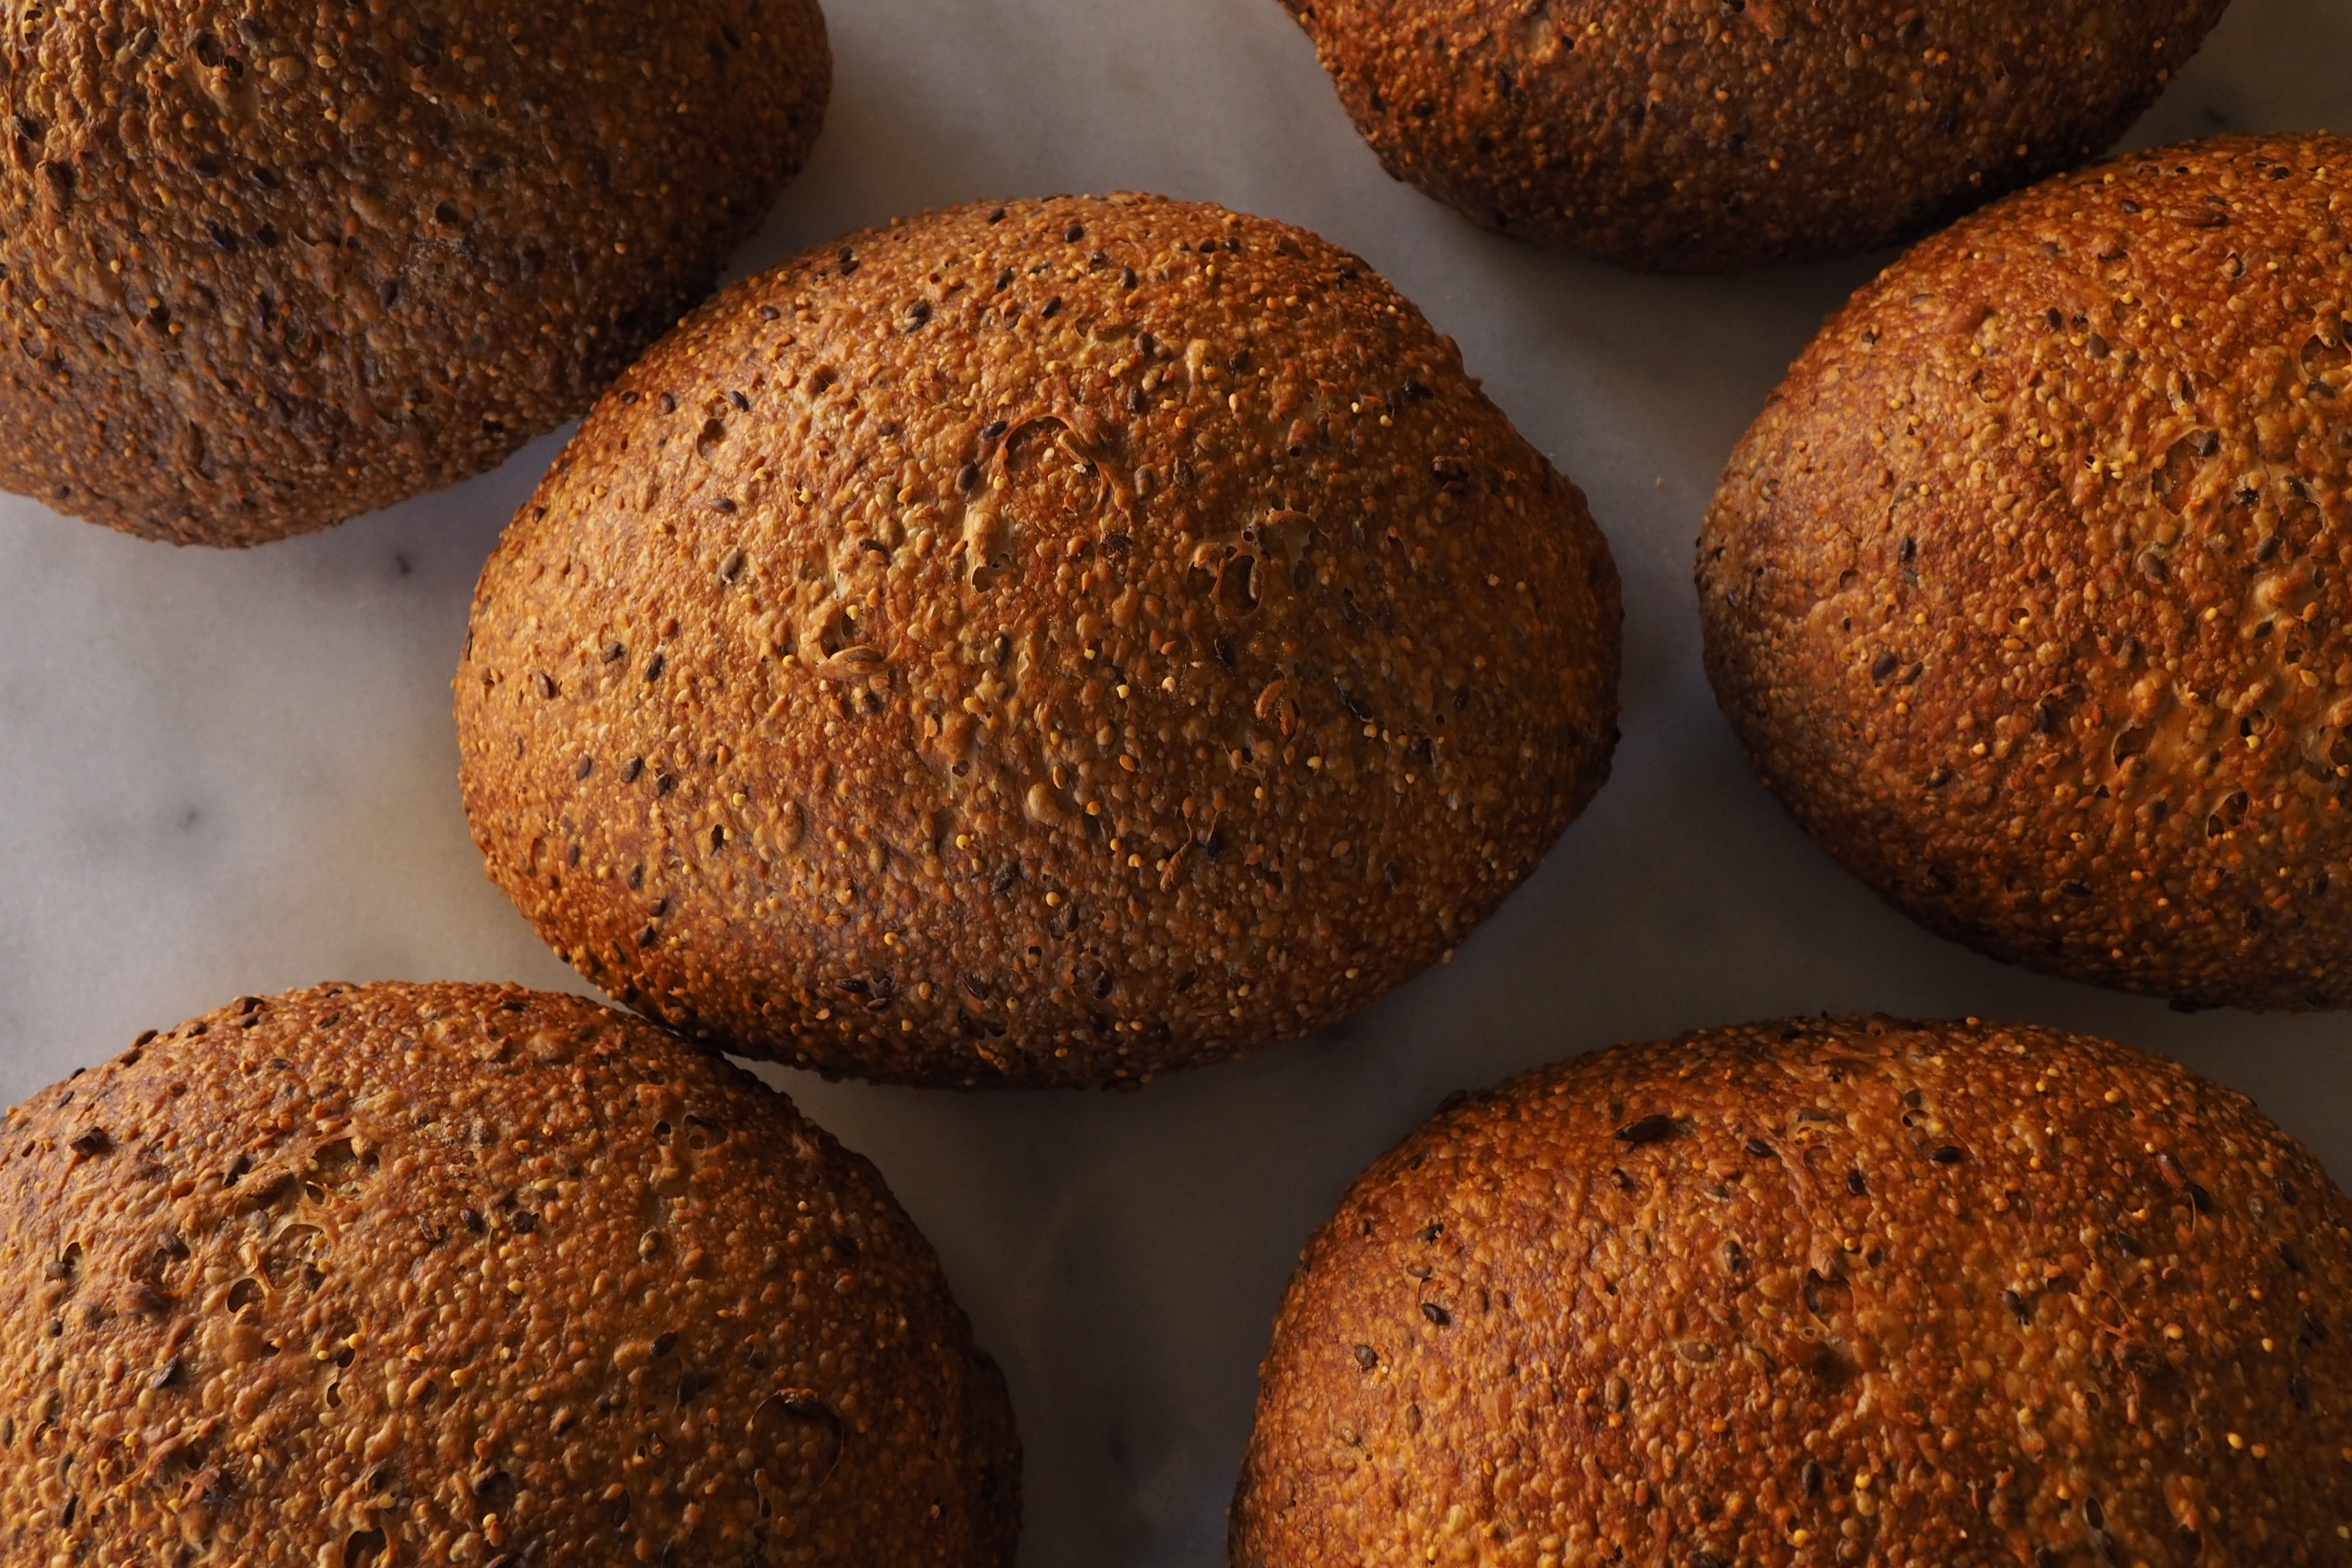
1048	643
2028	591
270	266
1820	1292
1711	135
467	1274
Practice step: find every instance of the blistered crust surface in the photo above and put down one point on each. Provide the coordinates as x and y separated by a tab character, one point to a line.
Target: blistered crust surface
1821	1293
1709	135
468	1274
2028	591
1040	644
269	265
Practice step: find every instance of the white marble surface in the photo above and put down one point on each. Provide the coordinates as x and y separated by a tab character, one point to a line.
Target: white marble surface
227	773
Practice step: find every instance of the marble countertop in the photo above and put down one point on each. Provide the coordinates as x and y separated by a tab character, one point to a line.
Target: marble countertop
222	773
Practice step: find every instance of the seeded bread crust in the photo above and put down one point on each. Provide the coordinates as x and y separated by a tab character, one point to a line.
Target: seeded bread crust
270	266
1714	136
1818	1292
467	1274
1046	644
2028	593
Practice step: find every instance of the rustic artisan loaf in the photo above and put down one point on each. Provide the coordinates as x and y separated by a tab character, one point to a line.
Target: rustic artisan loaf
1049	643
1709	135
270	266
1821	1292
467	1274
2029	592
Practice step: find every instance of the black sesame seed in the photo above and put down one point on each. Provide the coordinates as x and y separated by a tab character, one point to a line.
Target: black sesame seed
1648	1130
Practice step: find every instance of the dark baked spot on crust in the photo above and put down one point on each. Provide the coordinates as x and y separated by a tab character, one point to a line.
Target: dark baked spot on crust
451	1273
1732	134
1114	689
2118	582
256	279
2050	1346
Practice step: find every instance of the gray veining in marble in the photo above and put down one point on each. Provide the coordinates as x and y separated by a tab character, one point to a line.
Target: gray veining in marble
227	773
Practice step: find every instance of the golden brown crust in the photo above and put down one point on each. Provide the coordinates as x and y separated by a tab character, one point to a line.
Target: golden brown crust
1712	137
1815	1293
2027	592
1041	644
272	265
468	1274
